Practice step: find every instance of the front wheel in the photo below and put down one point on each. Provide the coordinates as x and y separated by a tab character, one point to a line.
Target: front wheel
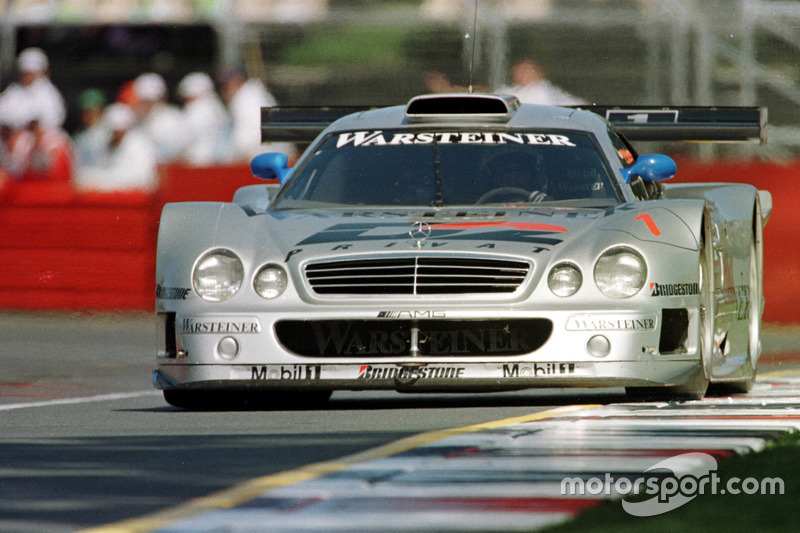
198	400
755	309
694	389
696	386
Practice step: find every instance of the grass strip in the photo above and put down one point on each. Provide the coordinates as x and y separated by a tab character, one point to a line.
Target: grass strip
712	513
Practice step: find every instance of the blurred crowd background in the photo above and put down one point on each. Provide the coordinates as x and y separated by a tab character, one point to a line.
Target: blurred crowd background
186	77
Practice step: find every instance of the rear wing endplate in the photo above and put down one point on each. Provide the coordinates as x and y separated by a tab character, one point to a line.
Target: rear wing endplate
637	123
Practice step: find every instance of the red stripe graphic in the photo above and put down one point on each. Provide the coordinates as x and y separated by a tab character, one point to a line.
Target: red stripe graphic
525	226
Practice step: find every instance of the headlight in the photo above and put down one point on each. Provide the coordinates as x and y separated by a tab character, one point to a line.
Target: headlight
564	279
218	275
620	272
270	282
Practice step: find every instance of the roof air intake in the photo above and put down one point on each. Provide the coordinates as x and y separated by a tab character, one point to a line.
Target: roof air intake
462	105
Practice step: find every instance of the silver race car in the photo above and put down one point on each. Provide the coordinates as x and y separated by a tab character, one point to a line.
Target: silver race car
465	242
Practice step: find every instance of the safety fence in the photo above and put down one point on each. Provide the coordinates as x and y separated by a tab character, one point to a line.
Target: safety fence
63	250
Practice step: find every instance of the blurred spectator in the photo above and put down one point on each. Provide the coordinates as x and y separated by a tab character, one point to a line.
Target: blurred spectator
160	121
438	82
127	94
245	98
5	149
52	157
17	138
34	80
205	120
531	87
91	142
34	150
131	161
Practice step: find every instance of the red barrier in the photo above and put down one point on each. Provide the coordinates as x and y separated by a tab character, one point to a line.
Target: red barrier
95	251
67	251
192	184
781	252
64	251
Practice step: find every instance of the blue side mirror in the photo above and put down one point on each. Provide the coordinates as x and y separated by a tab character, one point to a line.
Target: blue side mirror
651	167
272	166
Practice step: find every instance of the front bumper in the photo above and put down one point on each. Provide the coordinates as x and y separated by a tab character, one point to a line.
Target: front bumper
430	353
455	377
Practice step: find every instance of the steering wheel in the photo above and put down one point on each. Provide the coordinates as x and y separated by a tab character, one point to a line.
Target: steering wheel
524	195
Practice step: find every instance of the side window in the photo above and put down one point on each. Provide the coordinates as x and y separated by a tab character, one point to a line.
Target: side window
643	190
627	155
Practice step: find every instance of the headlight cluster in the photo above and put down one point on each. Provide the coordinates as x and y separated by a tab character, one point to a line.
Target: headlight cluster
564	279
620	272
218	275
270	282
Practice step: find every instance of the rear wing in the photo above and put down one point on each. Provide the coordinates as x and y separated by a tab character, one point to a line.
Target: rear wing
301	124
688	123
637	123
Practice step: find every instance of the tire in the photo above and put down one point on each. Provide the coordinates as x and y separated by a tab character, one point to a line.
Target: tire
696	386
755	309
203	400
193	400
693	389
303	400
199	400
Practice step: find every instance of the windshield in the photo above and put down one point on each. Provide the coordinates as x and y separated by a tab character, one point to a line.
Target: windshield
451	168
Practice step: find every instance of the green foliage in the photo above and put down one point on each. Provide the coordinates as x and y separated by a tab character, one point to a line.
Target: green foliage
350	45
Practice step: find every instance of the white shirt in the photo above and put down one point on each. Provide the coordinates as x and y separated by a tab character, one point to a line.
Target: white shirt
40	99
52	109
132	165
91	145
245	108
206	123
541	92
164	126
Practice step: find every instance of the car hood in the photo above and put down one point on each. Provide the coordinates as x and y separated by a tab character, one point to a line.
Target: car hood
306	235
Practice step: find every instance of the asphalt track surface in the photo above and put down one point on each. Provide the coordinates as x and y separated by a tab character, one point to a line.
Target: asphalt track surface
86	441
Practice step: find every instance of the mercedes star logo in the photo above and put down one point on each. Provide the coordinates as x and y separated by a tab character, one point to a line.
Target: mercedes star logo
420	231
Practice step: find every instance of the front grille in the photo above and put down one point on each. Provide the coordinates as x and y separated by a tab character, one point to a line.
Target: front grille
417	275
397	338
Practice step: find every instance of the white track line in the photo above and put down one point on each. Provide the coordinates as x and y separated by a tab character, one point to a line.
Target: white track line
85	399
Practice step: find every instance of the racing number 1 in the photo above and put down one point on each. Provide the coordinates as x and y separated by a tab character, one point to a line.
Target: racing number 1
648	220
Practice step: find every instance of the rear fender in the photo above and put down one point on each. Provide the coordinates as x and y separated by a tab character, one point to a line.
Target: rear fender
729	201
